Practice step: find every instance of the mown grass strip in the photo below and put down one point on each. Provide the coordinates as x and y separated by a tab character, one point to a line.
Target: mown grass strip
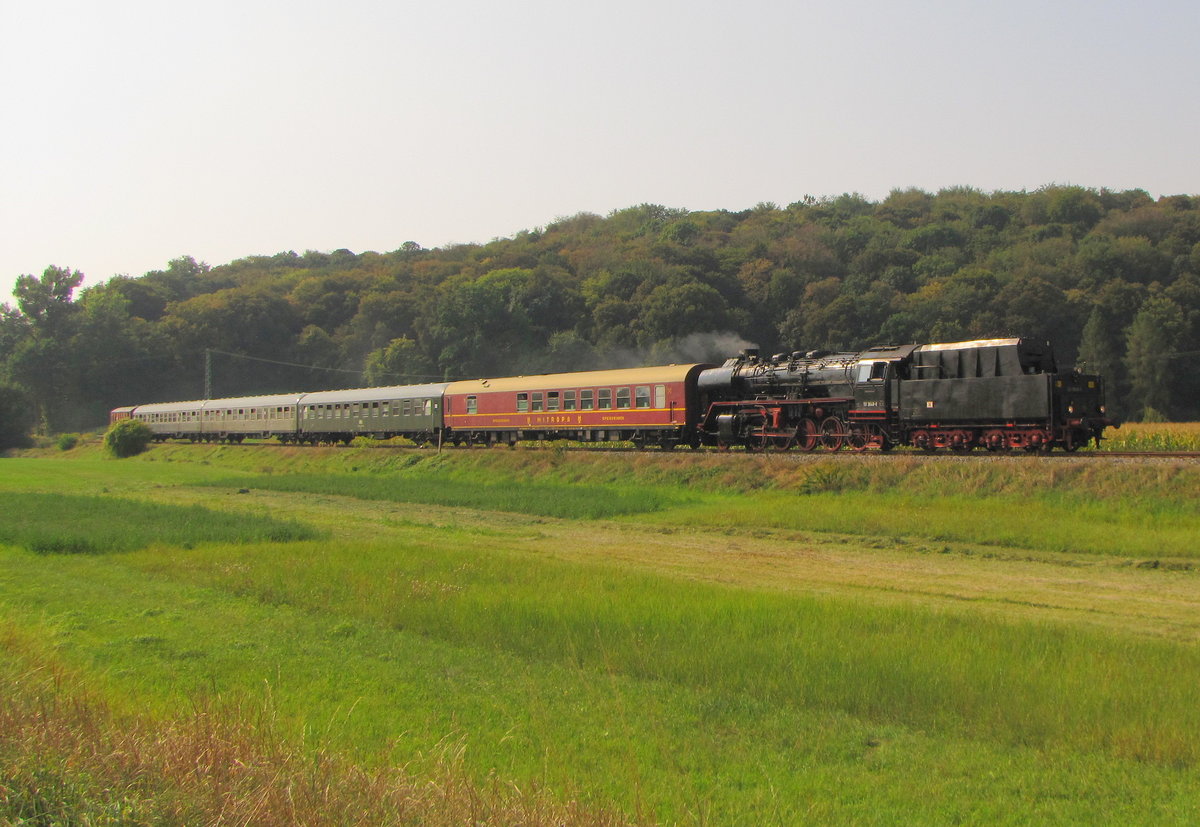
1120	530
79	524
582	502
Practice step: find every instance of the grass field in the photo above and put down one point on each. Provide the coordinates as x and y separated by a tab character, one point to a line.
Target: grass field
556	637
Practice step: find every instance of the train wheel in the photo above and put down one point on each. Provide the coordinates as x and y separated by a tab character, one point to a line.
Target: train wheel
859	438
807	434
833	434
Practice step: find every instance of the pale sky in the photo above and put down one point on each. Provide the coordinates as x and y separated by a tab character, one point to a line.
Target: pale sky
137	132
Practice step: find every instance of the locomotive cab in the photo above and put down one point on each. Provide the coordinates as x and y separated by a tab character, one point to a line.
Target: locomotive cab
872	381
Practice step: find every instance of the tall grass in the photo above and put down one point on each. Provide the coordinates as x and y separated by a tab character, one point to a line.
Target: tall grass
67	758
1018	683
75	524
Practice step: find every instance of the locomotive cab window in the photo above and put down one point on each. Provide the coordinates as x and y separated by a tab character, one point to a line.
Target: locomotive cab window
871	371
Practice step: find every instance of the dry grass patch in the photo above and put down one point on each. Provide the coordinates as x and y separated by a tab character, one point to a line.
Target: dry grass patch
67	758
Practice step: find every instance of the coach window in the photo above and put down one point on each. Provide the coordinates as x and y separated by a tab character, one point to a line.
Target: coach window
522	402
472	405
568	400
622	397
641	397
604	399
537	401
552	398
585	400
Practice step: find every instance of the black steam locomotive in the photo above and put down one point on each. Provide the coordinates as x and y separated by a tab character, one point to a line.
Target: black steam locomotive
998	394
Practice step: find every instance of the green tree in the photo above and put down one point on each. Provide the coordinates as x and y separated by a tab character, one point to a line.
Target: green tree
42	362
1151	344
674	311
16	418
402	362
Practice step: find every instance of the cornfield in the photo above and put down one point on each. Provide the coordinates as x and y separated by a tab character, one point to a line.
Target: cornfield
1153	436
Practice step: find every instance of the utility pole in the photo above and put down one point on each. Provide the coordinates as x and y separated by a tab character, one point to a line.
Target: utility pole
207	373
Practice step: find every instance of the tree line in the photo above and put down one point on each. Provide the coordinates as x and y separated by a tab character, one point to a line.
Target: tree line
1112	279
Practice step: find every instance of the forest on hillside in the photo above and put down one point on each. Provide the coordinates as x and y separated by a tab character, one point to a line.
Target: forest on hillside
1111	279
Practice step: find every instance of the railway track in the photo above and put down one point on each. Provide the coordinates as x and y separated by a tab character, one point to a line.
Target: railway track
1085	454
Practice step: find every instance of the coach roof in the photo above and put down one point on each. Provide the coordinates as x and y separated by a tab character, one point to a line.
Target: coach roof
586	379
380	394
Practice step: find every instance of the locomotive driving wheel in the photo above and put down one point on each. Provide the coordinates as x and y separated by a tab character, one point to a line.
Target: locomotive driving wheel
807	434
859	438
833	434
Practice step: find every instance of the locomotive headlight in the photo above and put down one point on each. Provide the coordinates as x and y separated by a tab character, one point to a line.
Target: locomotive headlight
1071	408
1102	410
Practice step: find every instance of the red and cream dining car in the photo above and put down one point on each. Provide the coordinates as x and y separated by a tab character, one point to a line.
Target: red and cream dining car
650	406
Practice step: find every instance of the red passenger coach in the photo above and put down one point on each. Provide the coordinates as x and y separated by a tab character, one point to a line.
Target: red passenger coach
649	406
117	414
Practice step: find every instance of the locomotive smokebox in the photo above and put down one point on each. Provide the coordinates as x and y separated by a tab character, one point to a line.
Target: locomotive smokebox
715	380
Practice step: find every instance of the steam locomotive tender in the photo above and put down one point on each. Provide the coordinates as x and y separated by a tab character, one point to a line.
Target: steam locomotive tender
998	394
